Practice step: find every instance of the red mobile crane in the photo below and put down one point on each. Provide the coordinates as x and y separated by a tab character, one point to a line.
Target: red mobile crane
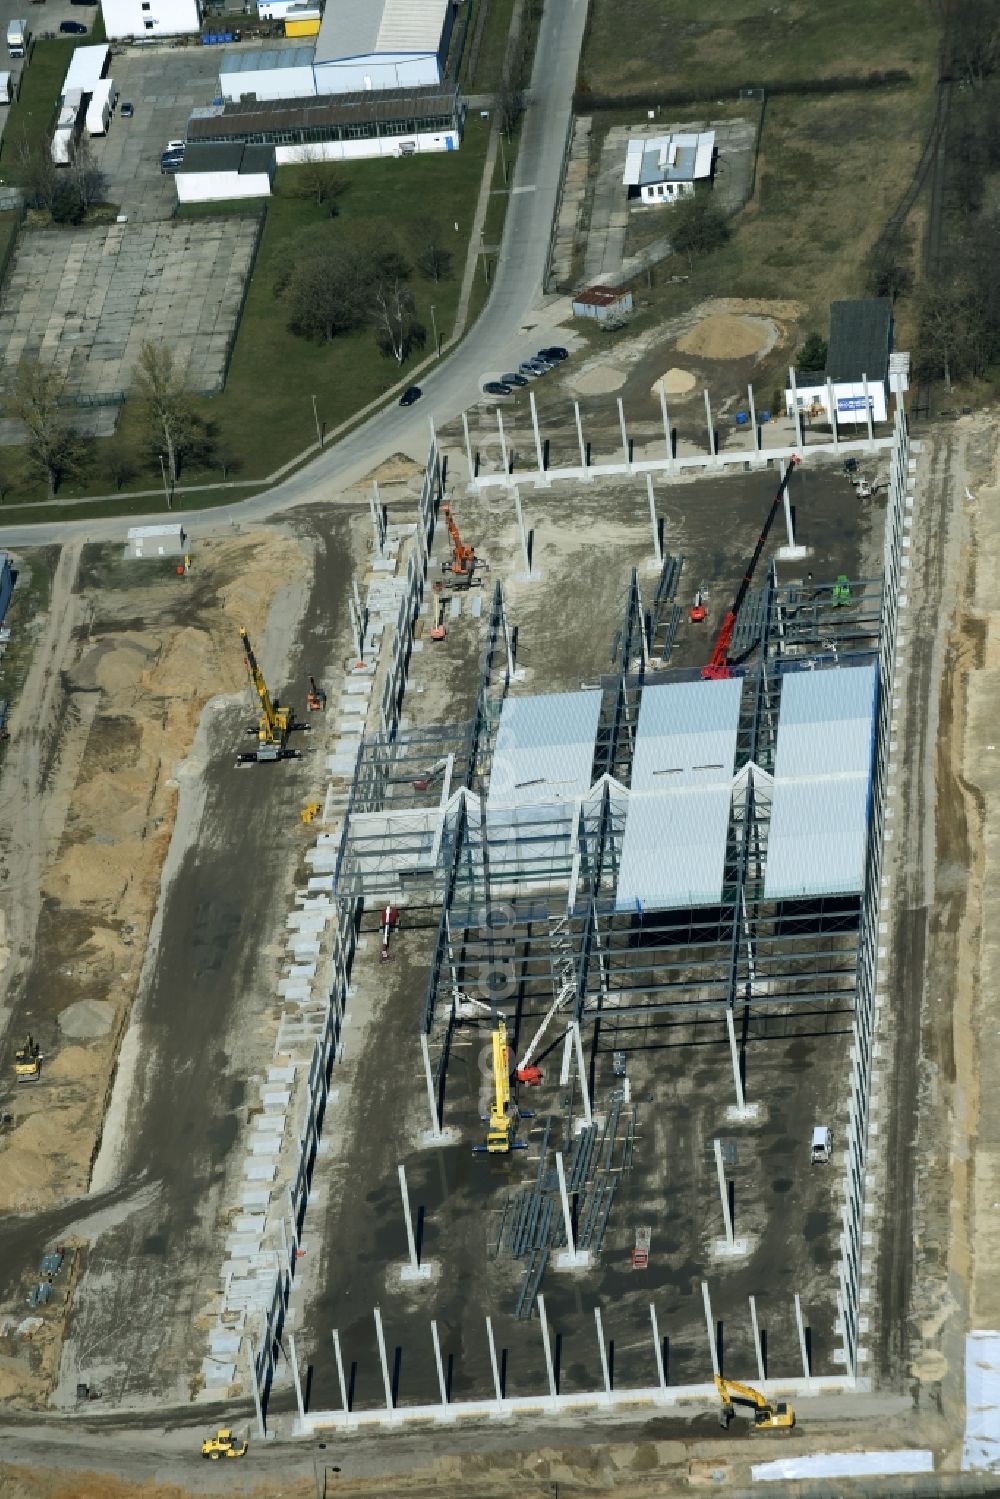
463	558
718	667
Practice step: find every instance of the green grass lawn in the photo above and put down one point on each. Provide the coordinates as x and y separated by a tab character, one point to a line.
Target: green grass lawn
728	44
31	116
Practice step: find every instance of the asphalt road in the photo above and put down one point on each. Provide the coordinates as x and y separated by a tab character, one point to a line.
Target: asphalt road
492	344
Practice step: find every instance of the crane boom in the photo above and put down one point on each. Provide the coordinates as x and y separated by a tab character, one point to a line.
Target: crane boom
718	667
501	1131
275	722
463	561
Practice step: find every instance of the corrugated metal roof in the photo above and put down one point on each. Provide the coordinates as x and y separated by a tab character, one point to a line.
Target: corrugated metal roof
674	849
363	28
819	816
544	750
266	59
680	157
686	735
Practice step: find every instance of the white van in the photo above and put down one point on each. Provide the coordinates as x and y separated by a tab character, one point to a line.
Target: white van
821	1149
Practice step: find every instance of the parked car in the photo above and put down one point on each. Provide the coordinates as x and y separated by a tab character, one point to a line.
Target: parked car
175	146
513	379
72	28
534	367
497	388
172	162
127	111
555	353
409	396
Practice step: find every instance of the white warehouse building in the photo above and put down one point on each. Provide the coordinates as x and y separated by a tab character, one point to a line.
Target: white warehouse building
382	44
272	73
664	168
150	18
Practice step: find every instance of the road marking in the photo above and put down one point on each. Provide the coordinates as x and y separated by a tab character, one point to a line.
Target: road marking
530	189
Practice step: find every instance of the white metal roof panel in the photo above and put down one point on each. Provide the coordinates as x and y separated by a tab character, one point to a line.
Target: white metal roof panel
819	816
674	849
633	163
86	66
544	750
364	28
686	735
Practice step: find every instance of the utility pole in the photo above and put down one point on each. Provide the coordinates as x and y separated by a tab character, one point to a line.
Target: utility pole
437	336
319	429
163	475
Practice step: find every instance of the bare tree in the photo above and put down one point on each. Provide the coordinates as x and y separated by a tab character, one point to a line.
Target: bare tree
326	294
85	176
975	40
397	329
947	335
890	269
165	400
121	465
35	399
697	226
510	97
430	250
37	173
319	178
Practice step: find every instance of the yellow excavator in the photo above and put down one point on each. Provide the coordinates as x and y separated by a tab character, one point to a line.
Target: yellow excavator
503	1115
766	1416
28	1061
275	723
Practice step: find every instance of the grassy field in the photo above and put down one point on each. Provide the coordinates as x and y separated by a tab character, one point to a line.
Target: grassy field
807	234
728	44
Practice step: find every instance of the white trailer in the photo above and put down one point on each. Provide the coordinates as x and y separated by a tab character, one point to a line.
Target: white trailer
101	107
6	87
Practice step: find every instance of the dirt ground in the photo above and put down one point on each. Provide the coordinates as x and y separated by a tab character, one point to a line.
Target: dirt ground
138	653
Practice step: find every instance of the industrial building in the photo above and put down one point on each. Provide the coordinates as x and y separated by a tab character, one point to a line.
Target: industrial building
382	44
138	19
663	168
215	173
861	369
344	127
271	73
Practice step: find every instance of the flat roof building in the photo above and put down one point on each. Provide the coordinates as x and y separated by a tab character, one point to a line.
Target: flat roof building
268	73
338	126
861	369
215	173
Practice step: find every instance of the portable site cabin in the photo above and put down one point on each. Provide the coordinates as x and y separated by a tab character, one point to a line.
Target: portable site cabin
143	542
101	107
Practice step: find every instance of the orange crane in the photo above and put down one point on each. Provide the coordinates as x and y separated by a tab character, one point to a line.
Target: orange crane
718	667
463	559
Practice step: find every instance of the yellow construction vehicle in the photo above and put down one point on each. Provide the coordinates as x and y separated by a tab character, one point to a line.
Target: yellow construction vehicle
310	812
503	1115
223	1444
28	1061
275	723
766	1417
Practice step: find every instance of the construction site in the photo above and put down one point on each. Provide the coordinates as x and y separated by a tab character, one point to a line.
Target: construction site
611	866
556	1044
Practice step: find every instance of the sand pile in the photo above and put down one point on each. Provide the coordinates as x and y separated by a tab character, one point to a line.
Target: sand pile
28	1182
119	669
721	336
83	1021
676	382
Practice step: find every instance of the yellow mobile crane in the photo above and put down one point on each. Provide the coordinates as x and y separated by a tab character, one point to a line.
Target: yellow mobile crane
766	1417
503	1115
275	722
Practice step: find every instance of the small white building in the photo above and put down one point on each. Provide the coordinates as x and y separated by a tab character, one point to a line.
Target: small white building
861	369
143	542
224	171
150	18
270	73
382	44
662	168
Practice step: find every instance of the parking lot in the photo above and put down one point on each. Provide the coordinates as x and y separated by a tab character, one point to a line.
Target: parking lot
163	86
